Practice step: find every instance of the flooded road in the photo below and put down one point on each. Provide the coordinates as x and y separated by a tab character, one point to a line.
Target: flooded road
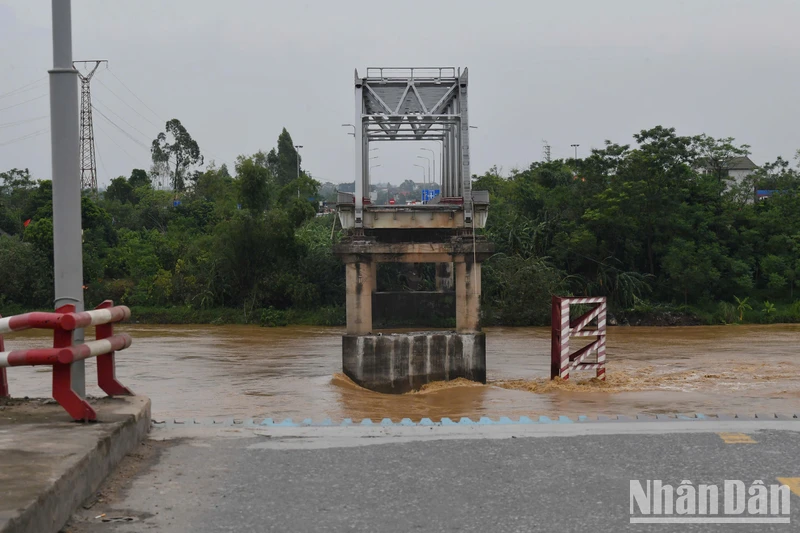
248	371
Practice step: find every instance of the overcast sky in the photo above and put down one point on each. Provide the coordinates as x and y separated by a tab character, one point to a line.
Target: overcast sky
237	72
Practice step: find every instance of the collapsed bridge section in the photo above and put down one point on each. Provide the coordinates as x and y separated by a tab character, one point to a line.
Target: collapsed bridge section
414	104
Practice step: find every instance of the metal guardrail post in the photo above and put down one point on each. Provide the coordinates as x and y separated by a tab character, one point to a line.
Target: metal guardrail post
77	407
106	366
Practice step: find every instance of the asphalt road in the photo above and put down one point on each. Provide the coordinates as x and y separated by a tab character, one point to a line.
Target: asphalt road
538	478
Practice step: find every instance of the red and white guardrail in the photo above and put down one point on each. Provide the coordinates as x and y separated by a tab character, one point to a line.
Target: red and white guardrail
561	361
64	321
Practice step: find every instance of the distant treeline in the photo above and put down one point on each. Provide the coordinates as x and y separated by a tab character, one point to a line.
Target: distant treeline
659	227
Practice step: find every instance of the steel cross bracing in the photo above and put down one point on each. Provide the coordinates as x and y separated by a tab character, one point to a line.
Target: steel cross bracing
88	163
415	104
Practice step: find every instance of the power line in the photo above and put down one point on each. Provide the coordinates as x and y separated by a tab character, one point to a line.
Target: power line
120	128
25	102
103	165
24	137
156	115
134	94
25	88
127	104
121	118
133	159
128	135
18	122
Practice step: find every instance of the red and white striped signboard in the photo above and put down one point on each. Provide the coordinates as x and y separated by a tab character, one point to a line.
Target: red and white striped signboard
562	362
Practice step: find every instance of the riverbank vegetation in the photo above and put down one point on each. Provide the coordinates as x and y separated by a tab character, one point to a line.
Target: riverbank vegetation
659	226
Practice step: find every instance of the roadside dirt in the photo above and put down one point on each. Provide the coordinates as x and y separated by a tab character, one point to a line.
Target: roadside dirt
98	512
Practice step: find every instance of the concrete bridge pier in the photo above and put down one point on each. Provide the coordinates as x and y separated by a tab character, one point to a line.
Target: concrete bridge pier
468	296
400	362
361	283
444	277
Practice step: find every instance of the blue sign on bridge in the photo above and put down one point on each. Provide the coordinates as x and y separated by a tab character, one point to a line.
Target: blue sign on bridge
429	194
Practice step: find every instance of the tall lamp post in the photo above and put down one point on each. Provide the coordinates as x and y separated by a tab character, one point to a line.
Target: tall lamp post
370	170
576	150
297	148
429	164
64	142
433	158
423	176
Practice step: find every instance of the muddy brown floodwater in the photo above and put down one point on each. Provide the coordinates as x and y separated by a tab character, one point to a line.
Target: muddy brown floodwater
247	371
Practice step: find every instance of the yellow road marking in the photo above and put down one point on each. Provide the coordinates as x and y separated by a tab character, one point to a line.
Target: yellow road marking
736	438
792	482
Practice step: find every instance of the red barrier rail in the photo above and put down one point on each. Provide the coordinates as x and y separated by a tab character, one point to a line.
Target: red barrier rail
561	361
68	321
63	323
64	356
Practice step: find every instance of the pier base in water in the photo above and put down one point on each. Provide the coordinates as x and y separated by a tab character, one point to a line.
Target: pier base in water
401	362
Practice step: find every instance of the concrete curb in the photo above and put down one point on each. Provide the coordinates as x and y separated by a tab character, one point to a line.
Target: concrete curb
463	421
82	472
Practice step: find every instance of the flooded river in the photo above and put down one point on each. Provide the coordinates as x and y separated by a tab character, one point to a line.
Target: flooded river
248	371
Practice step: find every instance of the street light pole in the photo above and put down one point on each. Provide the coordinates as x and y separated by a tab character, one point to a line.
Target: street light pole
423	177
433	157
64	142
297	149
370	171
429	165
576	150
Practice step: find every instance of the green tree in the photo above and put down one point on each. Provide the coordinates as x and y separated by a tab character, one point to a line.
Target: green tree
40	234
253	185
139	178
717	156
299	211
742	306
27	278
180	154
408	186
768	310
120	190
285	162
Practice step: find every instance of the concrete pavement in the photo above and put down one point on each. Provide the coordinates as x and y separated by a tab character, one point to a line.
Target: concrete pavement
545	477
49	464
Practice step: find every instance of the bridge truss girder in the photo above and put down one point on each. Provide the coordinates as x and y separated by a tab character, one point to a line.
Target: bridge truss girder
415	104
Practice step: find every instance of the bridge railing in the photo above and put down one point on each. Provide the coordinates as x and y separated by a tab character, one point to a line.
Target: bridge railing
64	321
387	74
562	362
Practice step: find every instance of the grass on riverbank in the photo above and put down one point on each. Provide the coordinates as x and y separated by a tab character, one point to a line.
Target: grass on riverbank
325	316
712	313
643	314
